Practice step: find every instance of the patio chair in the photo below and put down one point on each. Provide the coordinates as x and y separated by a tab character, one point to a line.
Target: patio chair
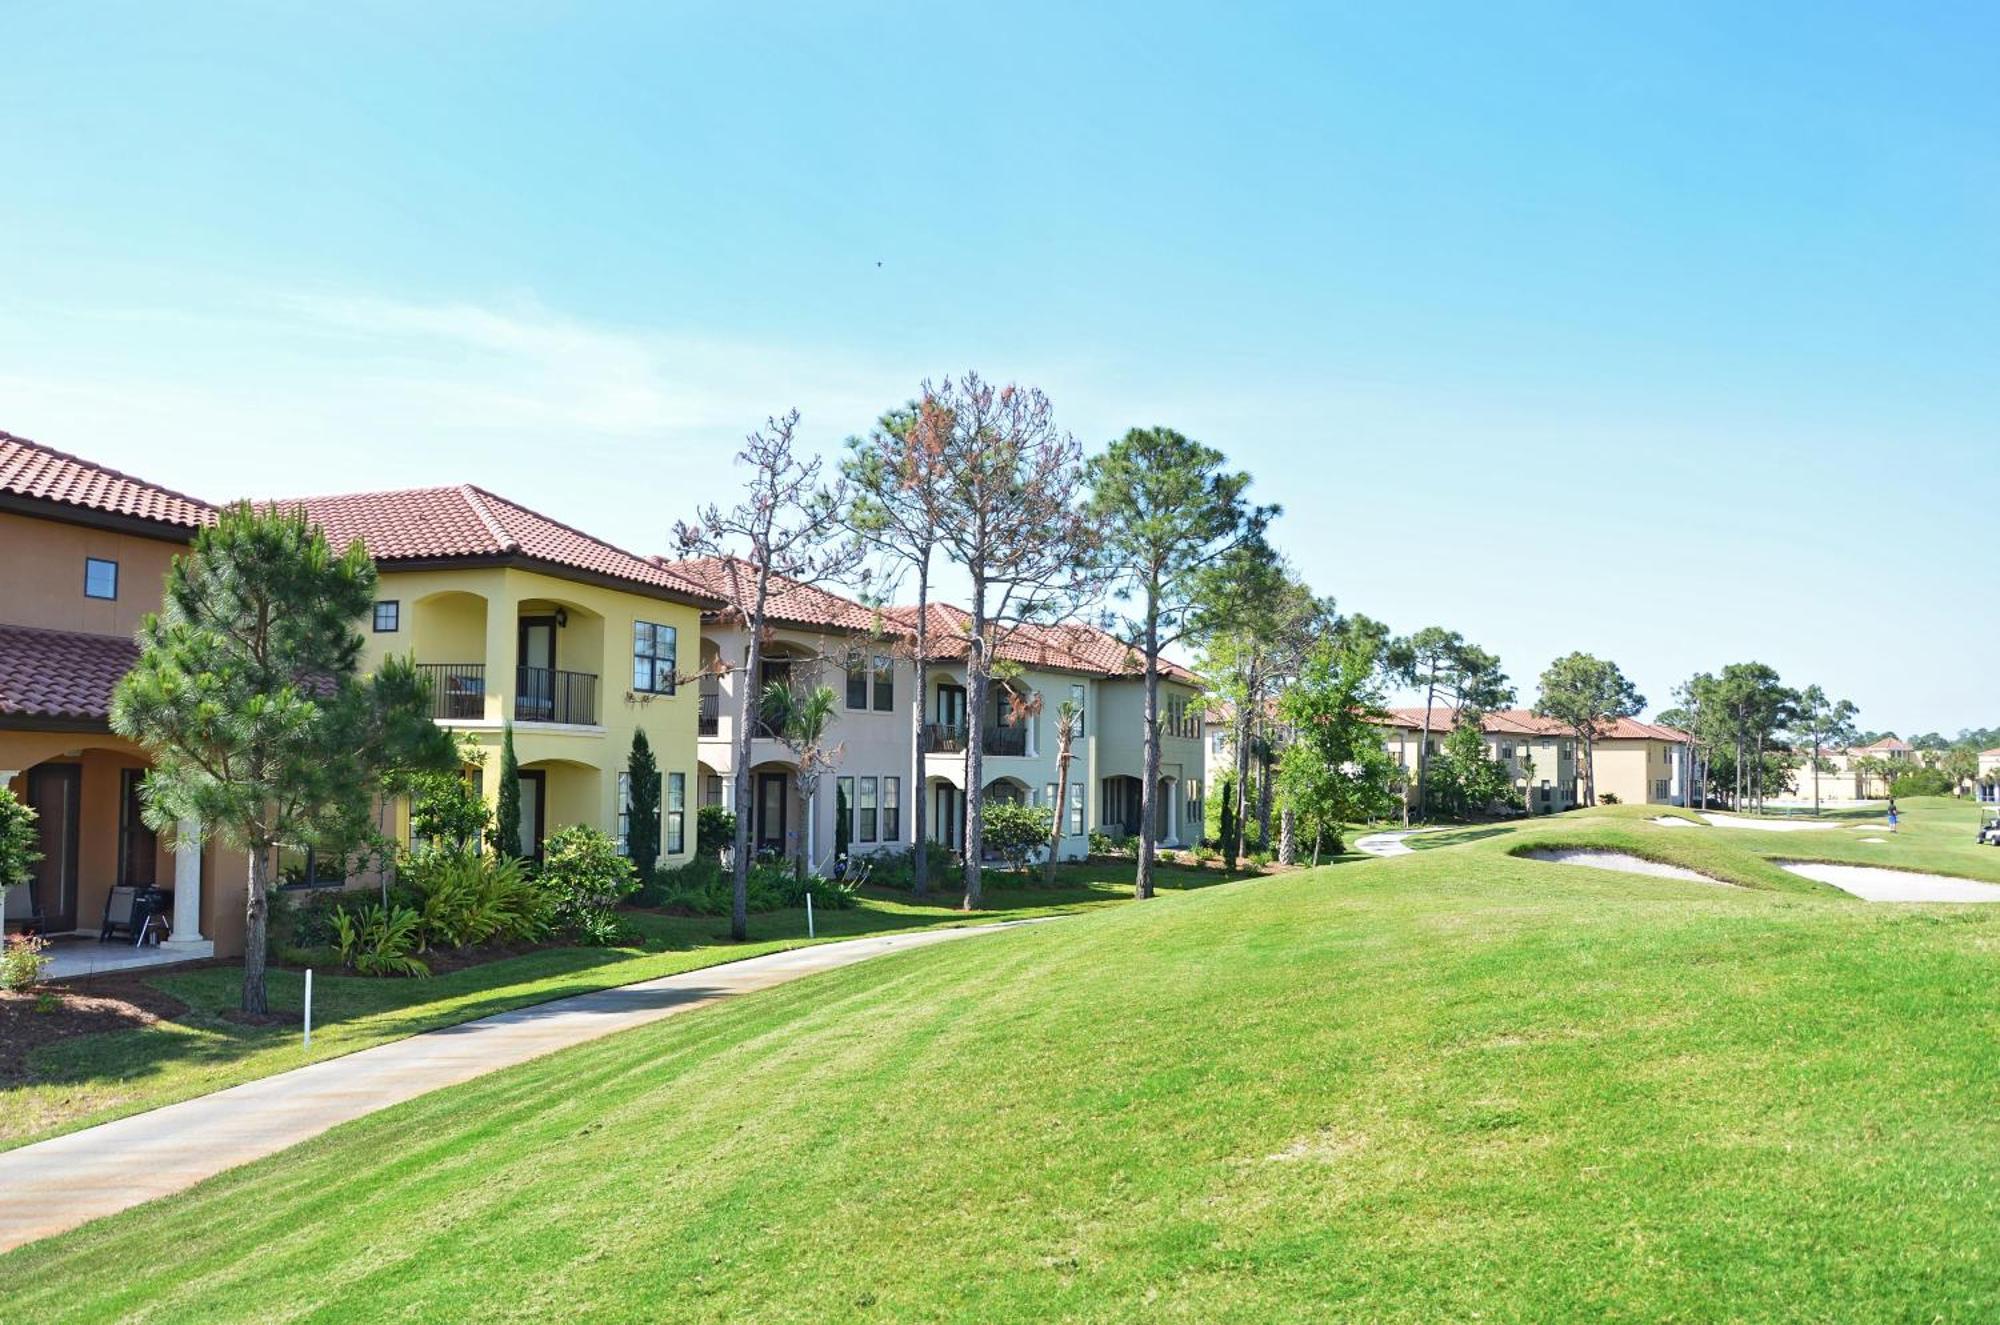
119	905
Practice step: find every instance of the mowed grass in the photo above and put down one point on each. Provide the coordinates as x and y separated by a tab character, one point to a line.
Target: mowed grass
1453	1085
94	1078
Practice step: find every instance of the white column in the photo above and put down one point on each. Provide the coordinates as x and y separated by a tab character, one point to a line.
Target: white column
187	884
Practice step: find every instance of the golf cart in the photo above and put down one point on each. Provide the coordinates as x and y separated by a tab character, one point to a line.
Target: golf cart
1989	832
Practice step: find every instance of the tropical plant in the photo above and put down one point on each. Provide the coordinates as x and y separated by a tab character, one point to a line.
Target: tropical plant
583	878
801	715
22	960
379	940
1068	726
247	694
1015	832
714	830
466	898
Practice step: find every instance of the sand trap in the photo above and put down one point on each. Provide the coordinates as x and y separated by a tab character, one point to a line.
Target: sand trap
1668	821
1767	825
1874	884
1621	862
1874	839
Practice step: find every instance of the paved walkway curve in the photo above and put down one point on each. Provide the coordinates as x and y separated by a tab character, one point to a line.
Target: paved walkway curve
54	1185
1388	844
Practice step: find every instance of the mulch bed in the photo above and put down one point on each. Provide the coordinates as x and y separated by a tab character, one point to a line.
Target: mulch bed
29	1020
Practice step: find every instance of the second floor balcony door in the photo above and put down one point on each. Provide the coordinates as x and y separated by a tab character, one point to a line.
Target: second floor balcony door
537	699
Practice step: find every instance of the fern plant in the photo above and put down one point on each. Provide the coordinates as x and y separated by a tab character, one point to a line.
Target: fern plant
379	940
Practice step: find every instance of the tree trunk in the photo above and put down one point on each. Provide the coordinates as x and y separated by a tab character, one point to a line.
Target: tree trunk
976	664
1056	819
1288	837
920	789
1424	747
1589	771
1232	841
256	917
1149	791
746	711
1264	800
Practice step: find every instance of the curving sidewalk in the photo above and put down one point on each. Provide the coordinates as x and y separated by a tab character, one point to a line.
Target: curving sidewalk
54	1185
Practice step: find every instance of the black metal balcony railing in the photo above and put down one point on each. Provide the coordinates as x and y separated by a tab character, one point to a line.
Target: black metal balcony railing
944	738
458	690
545	695
709	720
1005	740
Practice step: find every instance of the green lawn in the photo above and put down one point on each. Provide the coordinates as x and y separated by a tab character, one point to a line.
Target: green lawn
94	1078
1452	1085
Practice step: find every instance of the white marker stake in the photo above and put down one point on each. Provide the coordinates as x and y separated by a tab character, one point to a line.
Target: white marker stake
809	915
309	1008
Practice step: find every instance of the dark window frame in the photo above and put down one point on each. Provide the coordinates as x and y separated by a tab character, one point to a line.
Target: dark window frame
395	606
857	681
867	793
653	658
676	815
892	809
91	562
882	676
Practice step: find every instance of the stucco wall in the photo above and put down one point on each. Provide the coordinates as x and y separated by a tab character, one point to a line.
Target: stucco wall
43	585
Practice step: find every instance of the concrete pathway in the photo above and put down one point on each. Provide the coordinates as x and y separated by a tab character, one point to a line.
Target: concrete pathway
1388	844
69	1180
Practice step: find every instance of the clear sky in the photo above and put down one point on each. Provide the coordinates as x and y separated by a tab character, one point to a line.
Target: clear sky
1668	336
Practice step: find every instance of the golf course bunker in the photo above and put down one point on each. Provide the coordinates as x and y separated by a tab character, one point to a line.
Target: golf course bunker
1767	825
1669	821
1622	862
1872	883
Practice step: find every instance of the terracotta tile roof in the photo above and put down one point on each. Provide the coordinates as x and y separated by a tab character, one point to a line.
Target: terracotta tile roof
1523	722
1065	647
790	601
29	469
1886	743
469	523
60	674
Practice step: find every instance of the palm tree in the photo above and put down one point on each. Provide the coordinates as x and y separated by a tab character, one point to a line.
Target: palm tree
800	718
1069	722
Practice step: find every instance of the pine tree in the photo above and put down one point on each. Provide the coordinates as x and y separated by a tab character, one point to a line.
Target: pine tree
508	835
642	820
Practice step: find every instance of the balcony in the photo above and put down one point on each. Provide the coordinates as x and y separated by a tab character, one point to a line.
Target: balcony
1005	740
709	721
542	694
944	738
458	690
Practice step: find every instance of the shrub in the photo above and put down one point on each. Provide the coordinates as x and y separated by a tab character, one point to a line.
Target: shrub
896	867
1921	782
18	841
583	877
714	830
1205	853
1103	844
378	940
466	897
1016	832
1608	798
1259	859
301	924
22	960
698	888
1168	857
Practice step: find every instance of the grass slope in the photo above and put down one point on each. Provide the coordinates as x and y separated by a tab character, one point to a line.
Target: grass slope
95	1078
1446	1086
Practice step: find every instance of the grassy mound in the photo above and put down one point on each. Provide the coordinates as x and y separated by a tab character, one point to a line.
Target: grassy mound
1448	1085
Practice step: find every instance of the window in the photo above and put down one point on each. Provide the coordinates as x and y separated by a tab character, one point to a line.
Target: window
843	807
1076	693
653	650
1076	810
100	578
624	814
711	790
1049	798
857	680
1506	752
866	830
1217	741
892	809
677	794
304	867
885	683
388	616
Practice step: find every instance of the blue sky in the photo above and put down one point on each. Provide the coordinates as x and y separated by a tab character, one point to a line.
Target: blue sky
1667	336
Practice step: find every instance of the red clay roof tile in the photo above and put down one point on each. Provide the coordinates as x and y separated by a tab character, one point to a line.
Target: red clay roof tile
29	469
61	674
1523	722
